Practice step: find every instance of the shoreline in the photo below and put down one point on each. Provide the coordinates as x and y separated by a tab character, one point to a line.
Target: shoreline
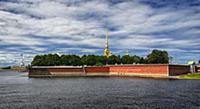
99	76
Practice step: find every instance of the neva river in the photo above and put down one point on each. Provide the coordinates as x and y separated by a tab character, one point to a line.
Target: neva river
19	91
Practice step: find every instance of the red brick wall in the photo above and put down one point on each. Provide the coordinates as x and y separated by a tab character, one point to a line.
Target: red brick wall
120	70
97	69
159	69
178	69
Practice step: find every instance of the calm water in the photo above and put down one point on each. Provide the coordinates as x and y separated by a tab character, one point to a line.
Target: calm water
19	91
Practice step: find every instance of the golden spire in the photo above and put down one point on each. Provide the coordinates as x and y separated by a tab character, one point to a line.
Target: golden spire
107	52
106	39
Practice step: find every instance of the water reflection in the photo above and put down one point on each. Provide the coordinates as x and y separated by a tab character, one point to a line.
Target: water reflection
19	91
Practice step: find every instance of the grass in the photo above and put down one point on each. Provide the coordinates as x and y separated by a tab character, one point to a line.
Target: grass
190	76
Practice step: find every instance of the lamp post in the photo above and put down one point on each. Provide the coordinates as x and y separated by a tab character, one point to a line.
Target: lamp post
170	59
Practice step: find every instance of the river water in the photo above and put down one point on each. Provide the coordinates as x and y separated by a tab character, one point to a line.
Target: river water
17	91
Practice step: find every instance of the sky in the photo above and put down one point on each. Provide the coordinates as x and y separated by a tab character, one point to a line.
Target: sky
32	27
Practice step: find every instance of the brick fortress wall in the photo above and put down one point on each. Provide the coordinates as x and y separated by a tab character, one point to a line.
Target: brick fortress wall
159	70
178	69
140	70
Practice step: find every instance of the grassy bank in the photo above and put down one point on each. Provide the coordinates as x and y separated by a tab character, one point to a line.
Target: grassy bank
190	76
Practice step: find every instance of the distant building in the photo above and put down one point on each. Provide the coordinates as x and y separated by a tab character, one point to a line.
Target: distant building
197	66
107	52
190	62
192	66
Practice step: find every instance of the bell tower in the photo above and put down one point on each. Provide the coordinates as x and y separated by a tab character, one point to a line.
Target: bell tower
107	52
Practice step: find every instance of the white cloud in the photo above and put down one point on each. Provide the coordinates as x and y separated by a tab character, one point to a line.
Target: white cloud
83	23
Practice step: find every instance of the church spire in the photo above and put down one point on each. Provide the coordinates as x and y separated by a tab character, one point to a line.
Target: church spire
107	52
106	39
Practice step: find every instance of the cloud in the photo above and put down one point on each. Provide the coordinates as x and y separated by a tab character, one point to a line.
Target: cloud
37	27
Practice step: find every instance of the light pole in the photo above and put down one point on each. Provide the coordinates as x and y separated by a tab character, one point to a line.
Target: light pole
170	59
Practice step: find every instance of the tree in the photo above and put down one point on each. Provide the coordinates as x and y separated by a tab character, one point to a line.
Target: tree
126	59
52	60
199	61
113	60
75	60
135	59
101	60
88	60
65	59
158	57
38	60
143	60
46	60
72	60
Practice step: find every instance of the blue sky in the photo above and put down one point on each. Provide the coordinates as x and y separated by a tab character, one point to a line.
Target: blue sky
78	27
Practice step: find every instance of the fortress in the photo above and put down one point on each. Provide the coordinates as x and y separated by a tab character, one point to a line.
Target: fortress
142	70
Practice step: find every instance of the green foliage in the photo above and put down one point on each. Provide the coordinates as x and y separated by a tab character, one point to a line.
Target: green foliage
89	60
113	60
46	60
99	64
158	57
143	60
70	60
101	59
9	67
74	60
126	59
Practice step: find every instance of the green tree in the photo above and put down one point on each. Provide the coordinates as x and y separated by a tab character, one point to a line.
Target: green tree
143	60
52	60
134	59
75	60
38	60
158	57
71	60
88	60
65	59
101	60
126	59
46	60
113	60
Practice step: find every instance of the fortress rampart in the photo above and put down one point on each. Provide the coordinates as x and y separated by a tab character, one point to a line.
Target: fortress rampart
144	70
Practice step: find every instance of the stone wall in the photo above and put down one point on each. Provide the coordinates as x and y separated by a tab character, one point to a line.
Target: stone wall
151	70
178	69
38	72
75	71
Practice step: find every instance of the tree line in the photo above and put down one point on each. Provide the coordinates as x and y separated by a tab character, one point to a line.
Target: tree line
155	57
